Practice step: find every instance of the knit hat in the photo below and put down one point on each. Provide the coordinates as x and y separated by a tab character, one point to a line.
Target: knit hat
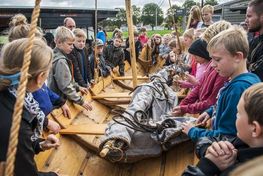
98	42
198	48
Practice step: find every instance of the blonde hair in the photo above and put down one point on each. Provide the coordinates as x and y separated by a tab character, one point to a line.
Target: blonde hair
12	59
233	39
21	31
195	14
17	20
79	33
189	33
63	34
208	8
214	29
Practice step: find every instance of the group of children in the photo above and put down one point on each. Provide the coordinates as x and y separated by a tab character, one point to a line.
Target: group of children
223	91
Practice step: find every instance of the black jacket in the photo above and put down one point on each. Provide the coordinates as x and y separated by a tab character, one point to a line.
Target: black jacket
104	70
255	57
75	56
205	167
26	149
114	57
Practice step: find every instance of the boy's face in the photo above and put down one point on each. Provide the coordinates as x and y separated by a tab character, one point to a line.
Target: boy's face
80	42
207	16
254	22
117	42
223	62
166	40
172	56
66	46
244	129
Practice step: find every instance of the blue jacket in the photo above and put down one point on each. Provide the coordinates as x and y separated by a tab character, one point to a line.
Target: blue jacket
226	107
47	99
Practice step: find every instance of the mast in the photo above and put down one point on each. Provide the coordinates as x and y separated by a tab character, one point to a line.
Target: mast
131	41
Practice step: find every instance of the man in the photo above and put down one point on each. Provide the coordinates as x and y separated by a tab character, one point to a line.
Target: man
254	20
69	23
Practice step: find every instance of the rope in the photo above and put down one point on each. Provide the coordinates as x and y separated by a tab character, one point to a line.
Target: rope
18	108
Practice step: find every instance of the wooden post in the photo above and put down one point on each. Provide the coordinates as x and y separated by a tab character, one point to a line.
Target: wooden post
176	30
131	41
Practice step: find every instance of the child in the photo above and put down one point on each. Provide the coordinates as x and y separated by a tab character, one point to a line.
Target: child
194	19
204	94
79	58
114	55
229	50
207	14
60	79
201	56
143	36
223	156
100	64
164	48
32	116
138	47
155	44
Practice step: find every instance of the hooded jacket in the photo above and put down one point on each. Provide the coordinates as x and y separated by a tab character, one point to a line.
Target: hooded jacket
61	78
226	107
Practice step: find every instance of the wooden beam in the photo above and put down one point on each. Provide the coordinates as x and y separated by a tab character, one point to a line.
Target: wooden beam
88	129
131	41
112	95
130	78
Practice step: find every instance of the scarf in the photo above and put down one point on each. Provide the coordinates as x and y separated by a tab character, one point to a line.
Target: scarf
33	108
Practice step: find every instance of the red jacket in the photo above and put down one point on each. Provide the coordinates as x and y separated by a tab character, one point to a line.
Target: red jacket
204	94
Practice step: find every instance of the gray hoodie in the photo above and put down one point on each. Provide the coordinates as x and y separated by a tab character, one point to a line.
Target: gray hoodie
60	78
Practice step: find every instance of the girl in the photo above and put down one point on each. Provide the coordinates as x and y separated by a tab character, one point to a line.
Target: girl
32	117
194	18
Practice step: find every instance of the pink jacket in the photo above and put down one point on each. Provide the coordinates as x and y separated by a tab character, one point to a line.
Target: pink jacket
204	94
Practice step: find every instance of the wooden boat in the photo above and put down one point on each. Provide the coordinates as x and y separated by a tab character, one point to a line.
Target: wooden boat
78	153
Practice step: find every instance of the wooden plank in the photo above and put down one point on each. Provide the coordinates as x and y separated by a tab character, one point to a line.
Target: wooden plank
130	78
112	95
89	129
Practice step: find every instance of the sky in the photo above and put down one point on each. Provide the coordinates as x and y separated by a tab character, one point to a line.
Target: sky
108	4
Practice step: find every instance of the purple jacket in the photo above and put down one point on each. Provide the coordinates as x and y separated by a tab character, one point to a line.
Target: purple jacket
204	94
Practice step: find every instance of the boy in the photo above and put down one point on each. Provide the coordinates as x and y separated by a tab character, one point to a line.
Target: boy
228	50
224	155
138	47
100	64
80	60
114	55
207	14
60	78
164	48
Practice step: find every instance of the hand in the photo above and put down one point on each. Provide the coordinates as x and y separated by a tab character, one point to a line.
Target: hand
66	111
83	90
202	119
176	111
224	161
53	126
191	79
220	148
187	127
115	70
87	106
51	142
128	49
92	82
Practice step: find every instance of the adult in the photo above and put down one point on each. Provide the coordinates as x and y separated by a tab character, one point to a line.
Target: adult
70	23
254	20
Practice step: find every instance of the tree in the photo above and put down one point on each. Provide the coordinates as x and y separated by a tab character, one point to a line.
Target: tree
136	17
150	12
211	2
188	4
168	21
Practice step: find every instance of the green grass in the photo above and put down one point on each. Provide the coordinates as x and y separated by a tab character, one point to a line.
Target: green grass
3	39
149	33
